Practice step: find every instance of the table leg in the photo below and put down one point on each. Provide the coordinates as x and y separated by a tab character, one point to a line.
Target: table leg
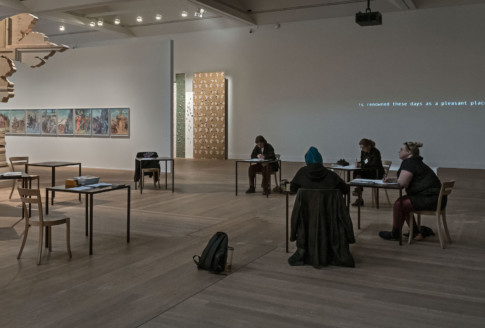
53	183
287	218
280	174
173	175
358	209
128	215
400	204
166	174
46	201
91	224
236	178
86	215
80	175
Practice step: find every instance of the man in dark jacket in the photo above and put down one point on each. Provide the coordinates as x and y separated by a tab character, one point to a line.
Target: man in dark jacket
264	152
315	176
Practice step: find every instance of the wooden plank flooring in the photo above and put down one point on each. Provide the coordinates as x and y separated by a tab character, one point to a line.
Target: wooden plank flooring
152	282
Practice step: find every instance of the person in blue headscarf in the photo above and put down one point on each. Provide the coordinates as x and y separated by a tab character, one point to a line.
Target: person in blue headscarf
315	176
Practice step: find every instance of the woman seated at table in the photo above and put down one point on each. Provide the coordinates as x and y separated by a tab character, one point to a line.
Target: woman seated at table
315	176
422	190
264	151
370	164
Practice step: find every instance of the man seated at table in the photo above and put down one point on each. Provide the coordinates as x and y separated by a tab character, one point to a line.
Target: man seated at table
263	151
315	176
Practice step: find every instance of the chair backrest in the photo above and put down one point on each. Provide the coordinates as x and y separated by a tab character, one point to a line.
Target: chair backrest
446	188
387	166
277	156
16	162
31	196
146	154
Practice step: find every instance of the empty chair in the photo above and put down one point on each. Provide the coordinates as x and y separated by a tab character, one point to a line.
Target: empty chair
440	213
18	165
32	196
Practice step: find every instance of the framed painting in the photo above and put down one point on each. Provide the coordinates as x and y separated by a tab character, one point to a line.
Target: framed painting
4	121
33	121
100	122
82	122
65	122
17	122
49	122
120	122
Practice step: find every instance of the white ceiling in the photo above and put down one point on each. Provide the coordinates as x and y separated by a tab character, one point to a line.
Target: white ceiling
77	14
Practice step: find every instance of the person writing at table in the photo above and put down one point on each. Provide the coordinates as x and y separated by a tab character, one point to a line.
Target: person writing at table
422	190
315	176
370	164
263	151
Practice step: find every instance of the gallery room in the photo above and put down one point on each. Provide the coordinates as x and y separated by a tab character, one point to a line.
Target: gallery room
189	85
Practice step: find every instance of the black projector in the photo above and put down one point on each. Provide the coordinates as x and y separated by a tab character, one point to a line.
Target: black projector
368	18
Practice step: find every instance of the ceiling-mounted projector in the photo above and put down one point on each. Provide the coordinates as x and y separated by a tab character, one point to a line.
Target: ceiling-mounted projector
369	18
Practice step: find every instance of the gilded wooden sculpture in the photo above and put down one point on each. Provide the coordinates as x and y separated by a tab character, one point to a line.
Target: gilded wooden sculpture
18	42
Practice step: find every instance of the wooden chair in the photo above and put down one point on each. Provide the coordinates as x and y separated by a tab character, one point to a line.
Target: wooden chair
274	173
18	165
446	188
32	196
375	191
156	177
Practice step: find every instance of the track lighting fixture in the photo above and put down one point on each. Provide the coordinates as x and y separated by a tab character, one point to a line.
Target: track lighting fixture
117	21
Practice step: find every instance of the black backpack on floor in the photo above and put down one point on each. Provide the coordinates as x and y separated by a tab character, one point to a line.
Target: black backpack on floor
214	256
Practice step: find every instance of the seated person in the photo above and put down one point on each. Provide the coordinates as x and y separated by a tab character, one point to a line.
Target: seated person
315	176
263	150
370	164
422	190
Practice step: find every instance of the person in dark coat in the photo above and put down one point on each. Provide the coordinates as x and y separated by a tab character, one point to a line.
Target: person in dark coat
264	151
370	165
422	190
315	176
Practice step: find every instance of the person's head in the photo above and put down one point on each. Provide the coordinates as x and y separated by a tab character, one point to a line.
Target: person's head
409	149
260	141
313	156
366	145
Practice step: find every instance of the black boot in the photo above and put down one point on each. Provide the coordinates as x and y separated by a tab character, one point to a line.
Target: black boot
358	202
390	235
251	190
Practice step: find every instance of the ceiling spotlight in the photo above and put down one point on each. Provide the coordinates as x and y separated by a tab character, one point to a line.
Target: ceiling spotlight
100	22
139	19
62	28
199	12
92	23
184	13
158	17
117	21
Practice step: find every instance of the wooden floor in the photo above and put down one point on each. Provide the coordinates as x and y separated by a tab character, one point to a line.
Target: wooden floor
153	282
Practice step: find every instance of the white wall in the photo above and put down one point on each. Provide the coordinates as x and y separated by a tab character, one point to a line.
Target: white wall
300	85
135	74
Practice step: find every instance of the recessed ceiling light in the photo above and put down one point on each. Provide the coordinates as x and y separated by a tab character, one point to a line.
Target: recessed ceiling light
158	17
117	21
92	23
62	28
100	22
139	19
200	12
184	13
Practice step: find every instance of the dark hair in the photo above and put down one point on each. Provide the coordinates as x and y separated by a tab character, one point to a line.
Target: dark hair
367	143
413	147
260	139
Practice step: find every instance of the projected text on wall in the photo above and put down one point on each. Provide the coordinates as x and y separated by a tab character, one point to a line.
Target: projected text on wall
462	104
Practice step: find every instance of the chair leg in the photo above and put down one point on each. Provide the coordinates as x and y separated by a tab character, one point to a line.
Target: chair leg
41	238
411	227
50	238
445	226
14	184
26	232
442	241
142	179
387	196
68	237
276	180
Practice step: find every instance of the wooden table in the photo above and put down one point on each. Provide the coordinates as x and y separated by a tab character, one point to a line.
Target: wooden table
53	166
256	161
89	205
159	159
379	185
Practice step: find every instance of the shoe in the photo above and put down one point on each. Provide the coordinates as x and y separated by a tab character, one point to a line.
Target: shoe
266	192
251	190
357	191
390	235
358	202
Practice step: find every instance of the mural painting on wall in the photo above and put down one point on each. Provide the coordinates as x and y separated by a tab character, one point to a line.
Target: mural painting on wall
4	121
180	115
82	121
120	118
20	43
64	122
100	122
33	121
49	122
17	122
210	115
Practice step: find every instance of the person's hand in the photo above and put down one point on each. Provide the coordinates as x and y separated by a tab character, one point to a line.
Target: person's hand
260	156
386	179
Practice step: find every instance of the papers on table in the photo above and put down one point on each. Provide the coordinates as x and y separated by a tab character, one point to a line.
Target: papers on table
348	167
81	188
255	160
98	185
12	174
373	182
